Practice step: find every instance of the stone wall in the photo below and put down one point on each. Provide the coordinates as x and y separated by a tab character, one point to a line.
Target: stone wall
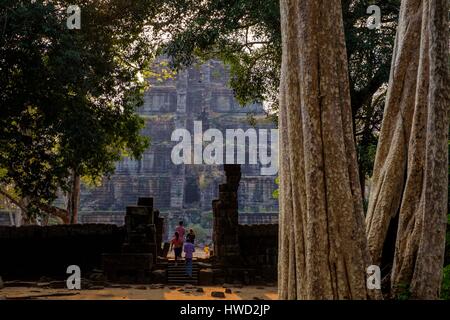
259	244
226	218
34	251
102	217
258	249
242	252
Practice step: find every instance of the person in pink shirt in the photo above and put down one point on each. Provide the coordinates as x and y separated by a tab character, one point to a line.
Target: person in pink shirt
181	231
189	249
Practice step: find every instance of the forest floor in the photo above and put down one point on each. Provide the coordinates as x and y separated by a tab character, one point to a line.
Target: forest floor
140	292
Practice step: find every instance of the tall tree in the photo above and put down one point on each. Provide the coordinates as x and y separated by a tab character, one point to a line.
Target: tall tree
68	97
322	251
408	202
246	35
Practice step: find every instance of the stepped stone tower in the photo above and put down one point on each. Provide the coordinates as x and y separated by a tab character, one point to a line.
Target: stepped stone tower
184	192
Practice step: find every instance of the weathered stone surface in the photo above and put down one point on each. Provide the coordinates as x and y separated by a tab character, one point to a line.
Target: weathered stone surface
45	279
42	295
219	280
206	277
2	285
23	254
228	290
128	267
139	252
121	286
159	276
96	288
43	284
218	294
57	284
97	277
16	283
204	265
141	288
226	218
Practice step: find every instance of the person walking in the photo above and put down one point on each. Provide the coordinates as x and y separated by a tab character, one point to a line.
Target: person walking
206	250
181	231
190	236
189	249
177	245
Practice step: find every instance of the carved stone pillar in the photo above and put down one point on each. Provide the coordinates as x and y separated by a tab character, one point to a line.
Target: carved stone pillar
226	218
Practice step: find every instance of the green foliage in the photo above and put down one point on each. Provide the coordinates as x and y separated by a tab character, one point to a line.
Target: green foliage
206	219
403	291
246	35
276	192
68	97
366	155
445	289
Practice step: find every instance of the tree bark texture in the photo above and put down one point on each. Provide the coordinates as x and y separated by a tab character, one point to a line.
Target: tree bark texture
322	249
410	175
73	202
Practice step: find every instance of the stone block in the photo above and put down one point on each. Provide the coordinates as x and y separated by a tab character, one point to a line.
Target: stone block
159	276
206	277
138	215
218	294
145	201
165	250
128	267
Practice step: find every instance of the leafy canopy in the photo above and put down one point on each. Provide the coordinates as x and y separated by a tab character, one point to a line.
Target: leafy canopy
68	97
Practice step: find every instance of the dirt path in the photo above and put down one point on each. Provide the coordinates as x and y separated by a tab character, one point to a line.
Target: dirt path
139	293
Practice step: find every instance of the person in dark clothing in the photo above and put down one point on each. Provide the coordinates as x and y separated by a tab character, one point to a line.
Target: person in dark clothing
190	237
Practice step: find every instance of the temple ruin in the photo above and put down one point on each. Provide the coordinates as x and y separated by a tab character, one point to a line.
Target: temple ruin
184	192
125	223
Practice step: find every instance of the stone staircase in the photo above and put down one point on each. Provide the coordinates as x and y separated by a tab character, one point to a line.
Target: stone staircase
177	274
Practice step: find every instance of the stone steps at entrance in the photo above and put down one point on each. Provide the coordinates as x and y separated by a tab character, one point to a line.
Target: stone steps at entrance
177	274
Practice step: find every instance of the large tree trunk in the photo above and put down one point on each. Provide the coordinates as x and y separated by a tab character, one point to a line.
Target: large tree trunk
74	199
410	173
323	252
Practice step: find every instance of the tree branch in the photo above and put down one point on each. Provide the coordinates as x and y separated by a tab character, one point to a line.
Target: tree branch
52	210
55	211
13	200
